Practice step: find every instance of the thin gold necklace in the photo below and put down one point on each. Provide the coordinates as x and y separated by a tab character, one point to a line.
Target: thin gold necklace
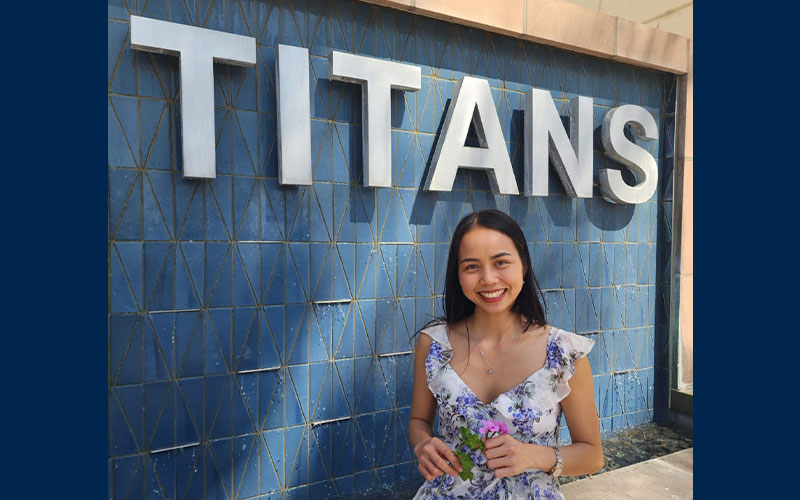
480	349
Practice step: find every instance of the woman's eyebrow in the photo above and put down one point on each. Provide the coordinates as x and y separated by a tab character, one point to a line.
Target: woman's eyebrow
501	254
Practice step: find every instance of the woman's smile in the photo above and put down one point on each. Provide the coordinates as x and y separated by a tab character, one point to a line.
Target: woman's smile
493	296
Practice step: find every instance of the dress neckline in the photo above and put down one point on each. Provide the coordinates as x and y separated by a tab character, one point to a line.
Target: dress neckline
550	336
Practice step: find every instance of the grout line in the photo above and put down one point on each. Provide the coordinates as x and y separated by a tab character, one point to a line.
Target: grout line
335	301
395	354
329	421
173	448
259	370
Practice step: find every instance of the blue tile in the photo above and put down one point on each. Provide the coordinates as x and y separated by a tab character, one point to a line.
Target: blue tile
405	324
605	353
630	264
618	386
126	419
384	438
272	269
125	208
297	333
298	280
159	278
245	274
553	273
159	415
268	145
623	350
125	349
320	89
320	391
343	151
321	271
297	213
585	312
246	338
322	139
385	326
385	383
364	336
126	475
424	312
126	277
345	286
364	396
123	134
387	214
366	265
425	268
344	211
573	275
343	321
440	269
365	214
155	125
159	348
426	104
423	154
603	394
320	334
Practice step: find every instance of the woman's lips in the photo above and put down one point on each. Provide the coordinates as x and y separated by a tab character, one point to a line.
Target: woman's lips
494	296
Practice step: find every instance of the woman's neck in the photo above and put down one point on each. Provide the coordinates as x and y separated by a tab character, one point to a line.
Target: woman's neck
500	327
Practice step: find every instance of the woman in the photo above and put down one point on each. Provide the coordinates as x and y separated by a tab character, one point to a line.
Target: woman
493	357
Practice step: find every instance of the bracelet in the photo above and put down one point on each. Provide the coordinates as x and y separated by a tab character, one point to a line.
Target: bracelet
559	465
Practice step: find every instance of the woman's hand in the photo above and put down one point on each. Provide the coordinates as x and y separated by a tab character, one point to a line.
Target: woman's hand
433	455
509	457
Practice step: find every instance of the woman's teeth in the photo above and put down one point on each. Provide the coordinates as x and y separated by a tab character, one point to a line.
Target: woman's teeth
492	295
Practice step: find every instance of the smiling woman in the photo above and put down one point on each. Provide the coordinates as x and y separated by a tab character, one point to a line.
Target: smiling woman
493	357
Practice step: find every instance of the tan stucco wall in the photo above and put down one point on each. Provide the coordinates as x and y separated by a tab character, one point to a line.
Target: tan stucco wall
673	16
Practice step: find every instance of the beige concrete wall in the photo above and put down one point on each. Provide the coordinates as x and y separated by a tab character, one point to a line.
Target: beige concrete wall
673	16
562	24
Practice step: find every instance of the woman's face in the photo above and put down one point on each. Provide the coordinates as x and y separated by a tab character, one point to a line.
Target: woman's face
490	269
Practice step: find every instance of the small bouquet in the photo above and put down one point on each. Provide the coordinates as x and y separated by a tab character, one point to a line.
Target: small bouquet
471	442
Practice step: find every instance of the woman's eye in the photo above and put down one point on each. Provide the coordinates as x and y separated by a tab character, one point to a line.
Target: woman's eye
470	267
501	262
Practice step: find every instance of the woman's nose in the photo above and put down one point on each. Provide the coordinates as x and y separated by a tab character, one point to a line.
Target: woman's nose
487	275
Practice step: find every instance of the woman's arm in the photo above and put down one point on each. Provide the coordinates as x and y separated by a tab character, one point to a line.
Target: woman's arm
509	457
432	453
585	454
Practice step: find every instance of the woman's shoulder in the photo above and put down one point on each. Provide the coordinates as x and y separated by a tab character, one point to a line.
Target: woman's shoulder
573	345
437	330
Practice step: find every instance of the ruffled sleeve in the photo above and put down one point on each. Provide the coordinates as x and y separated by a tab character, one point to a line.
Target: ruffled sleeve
562	352
440	351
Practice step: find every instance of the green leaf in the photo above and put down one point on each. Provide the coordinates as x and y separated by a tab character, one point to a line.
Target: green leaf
466	464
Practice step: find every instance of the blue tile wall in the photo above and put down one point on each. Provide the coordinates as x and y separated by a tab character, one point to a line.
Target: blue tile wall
259	334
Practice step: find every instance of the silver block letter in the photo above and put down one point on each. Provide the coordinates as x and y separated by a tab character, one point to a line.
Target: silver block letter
545	137
198	49
377	78
294	116
472	97
636	158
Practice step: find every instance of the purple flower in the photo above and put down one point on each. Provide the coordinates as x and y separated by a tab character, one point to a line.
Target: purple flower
497	426
555	357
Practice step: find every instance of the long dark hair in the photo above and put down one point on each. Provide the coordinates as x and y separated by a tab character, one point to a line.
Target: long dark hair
529	303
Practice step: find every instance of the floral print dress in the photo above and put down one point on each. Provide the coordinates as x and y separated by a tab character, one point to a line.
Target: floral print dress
531	410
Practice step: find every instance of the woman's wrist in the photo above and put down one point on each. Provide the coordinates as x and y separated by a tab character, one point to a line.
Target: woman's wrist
542	457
